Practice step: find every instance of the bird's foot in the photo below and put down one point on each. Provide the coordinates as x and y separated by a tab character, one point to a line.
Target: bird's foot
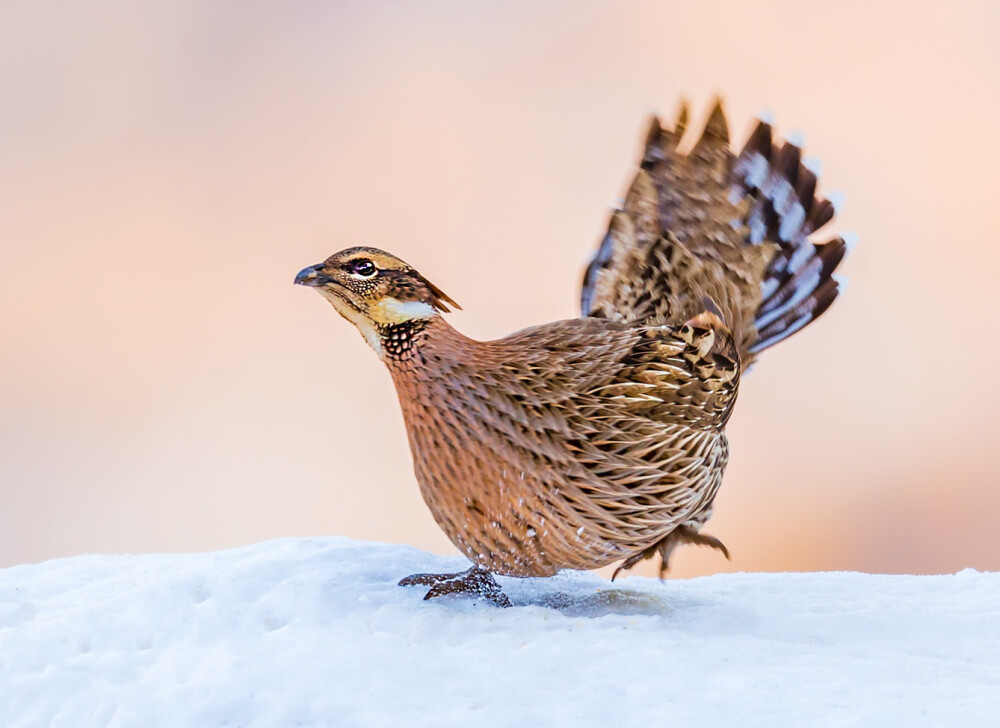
476	581
681	534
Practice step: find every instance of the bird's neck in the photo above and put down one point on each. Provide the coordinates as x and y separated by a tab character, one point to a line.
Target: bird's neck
410	346
398	342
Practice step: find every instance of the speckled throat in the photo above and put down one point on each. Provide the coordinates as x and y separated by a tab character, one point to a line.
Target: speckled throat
399	340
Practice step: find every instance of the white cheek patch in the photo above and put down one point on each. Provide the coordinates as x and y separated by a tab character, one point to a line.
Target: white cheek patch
394	311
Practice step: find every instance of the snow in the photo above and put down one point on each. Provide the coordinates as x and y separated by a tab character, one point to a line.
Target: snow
315	632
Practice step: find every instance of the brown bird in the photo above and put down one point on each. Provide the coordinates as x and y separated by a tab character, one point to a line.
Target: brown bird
579	443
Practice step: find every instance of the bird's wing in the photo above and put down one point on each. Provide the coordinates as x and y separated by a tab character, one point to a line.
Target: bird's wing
603	373
708	223
631	415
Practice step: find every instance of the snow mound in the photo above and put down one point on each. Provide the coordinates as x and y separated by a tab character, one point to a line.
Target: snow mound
315	632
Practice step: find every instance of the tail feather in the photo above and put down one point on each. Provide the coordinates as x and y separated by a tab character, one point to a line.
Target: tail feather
797	285
809	264
789	321
710	223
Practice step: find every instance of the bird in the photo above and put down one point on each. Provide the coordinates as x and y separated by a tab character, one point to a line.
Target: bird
584	442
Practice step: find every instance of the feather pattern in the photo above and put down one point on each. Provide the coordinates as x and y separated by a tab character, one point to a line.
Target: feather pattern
711	223
579	443
568	445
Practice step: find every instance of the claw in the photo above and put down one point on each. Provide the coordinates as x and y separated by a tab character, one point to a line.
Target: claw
425	579
633	560
680	535
475	581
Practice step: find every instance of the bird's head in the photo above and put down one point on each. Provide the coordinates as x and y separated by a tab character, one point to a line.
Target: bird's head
376	291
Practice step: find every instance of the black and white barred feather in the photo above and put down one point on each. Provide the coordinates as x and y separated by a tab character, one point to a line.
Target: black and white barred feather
708	224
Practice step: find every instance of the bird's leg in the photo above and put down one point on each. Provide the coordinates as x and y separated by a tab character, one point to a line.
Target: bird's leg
666	546
686	534
635	559
476	581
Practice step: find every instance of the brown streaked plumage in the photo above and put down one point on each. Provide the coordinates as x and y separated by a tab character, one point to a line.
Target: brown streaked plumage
579	443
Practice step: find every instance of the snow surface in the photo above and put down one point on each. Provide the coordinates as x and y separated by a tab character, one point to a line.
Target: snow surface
315	632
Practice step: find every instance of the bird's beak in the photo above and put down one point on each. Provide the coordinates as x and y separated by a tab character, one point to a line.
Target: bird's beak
312	276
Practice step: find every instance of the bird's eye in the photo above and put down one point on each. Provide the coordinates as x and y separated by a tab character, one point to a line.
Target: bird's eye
363	268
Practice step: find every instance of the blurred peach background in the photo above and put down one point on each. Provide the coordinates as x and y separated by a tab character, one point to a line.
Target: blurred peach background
167	167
